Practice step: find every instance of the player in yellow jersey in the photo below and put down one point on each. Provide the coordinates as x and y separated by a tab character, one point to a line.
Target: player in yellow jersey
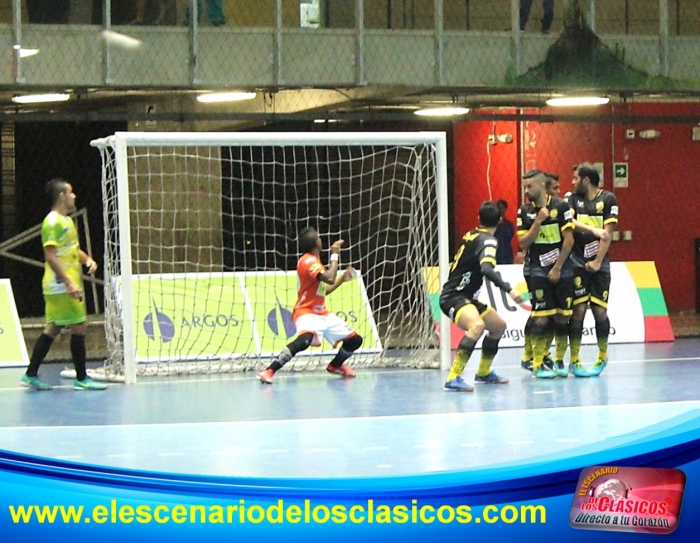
62	287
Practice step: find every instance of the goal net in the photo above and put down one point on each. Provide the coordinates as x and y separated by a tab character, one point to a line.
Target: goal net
201	246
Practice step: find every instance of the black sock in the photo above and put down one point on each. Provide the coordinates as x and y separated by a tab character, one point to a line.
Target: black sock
300	344
341	356
41	349
77	350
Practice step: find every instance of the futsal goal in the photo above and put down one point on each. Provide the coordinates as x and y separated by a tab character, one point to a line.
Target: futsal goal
201	246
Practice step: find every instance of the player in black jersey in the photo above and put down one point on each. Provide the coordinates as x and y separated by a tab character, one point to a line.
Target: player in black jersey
475	259
545	231
551	186
595	212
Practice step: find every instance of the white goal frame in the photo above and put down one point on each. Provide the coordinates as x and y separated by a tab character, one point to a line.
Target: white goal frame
120	141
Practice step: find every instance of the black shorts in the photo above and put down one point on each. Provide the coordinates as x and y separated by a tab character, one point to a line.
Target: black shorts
591	287
452	305
549	298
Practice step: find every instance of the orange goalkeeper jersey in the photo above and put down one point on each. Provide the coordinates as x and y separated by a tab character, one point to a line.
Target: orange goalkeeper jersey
311	290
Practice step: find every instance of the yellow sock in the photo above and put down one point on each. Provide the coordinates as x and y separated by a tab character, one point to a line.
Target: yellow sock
540	348
484	366
561	344
458	365
527	351
602	351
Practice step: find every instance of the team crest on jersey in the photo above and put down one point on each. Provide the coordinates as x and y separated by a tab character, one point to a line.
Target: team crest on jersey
554	213
577	281
539	294
599	206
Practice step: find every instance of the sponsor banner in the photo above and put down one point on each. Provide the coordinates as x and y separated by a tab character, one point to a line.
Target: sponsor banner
627	323
211	316
628	499
13	349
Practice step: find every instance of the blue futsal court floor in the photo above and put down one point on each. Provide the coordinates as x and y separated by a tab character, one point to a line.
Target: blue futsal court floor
383	423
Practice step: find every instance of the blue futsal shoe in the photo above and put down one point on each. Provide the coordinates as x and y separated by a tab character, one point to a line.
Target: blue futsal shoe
458	385
491	379
560	369
577	370
543	373
598	367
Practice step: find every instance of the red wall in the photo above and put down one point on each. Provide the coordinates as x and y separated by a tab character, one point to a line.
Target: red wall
661	206
471	164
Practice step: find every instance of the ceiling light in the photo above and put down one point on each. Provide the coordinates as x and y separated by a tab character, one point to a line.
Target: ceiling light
225	97
40	98
23	53
578	101
442	111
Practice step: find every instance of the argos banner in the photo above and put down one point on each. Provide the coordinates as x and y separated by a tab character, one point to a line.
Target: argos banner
209	316
636	308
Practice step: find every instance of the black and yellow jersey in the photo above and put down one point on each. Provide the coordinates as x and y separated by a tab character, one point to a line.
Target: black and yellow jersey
597	212
544	251
466	277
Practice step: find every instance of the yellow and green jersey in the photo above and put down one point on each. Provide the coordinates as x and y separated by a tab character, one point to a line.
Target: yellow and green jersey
59	231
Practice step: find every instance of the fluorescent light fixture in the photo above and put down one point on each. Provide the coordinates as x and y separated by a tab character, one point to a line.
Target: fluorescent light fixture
442	111
40	98
225	97
578	101
25	51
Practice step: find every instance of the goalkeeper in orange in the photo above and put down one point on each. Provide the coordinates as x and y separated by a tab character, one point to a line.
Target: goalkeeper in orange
313	321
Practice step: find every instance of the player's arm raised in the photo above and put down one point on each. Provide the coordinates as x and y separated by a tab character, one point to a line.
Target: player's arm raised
346	276
329	275
528	237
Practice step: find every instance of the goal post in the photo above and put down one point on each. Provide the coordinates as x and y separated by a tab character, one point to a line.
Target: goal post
200	246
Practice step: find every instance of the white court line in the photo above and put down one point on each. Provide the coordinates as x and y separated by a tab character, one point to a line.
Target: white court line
275	451
385	466
375	448
543	392
563	440
473	444
68	457
328	450
245	376
521	442
693	404
171	454
125	455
